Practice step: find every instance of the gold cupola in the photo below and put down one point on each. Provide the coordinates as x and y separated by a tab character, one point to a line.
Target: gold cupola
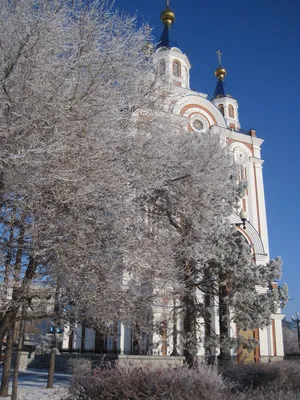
167	16
220	73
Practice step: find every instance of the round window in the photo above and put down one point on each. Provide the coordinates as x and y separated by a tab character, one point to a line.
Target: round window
197	125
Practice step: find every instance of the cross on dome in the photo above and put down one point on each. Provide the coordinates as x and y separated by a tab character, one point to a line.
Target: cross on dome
219	56
220	72
221	89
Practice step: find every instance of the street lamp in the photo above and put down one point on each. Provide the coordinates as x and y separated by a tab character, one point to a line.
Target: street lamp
55	331
297	321
243	216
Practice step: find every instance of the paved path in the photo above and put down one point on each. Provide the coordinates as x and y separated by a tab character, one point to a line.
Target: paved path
32	385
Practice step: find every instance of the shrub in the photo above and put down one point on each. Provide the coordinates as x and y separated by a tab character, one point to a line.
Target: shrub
147	382
276	381
80	367
276	377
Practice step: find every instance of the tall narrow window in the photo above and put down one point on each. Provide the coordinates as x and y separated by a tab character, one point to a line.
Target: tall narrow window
161	67
221	109
176	68
231	111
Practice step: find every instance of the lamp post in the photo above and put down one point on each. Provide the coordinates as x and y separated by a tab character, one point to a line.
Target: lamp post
243	216
55	332
297	321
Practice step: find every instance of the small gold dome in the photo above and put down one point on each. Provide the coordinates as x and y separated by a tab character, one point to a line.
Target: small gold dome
167	16
220	73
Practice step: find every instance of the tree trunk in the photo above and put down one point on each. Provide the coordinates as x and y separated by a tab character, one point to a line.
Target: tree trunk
18	298
82	342
189	329
136	340
174	352
7	361
189	320
8	258
17	364
19	254
224	357
6	322
51	369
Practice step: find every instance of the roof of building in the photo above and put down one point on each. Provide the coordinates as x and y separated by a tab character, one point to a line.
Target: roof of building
167	39
221	90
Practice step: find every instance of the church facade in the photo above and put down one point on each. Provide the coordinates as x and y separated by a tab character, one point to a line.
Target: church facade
220	114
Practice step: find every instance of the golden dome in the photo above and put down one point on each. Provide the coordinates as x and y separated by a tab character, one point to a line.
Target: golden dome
167	16
220	73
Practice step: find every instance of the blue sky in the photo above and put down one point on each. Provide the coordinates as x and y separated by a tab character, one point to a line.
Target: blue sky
260	45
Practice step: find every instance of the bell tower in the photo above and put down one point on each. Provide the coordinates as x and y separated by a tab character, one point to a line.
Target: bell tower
222	99
172	64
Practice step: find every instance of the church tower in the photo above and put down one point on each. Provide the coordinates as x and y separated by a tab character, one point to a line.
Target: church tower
222	99
172	65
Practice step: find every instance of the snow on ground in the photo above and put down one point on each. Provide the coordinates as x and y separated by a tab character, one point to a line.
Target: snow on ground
32	385
41	394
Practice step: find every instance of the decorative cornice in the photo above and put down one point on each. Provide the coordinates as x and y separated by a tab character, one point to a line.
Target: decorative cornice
256	160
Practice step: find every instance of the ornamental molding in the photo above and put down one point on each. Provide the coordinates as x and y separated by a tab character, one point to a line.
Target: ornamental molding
242	137
278	316
241	153
256	160
192	103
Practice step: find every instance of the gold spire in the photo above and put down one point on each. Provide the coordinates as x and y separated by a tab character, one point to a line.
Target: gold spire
220	72
167	16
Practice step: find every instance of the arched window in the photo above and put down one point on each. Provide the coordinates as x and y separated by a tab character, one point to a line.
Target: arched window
221	109
231	111
177	68
161	67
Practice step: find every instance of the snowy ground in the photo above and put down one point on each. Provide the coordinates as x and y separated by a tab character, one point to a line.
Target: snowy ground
32	385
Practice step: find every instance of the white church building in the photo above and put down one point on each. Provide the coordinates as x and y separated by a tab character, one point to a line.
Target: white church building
221	114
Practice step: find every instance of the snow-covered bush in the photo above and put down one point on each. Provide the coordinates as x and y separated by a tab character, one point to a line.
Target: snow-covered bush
279	377
80	367
148	382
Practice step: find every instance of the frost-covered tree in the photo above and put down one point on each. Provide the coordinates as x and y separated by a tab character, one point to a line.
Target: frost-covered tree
290	341
86	154
115	201
185	211
196	249
225	278
245	292
72	75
